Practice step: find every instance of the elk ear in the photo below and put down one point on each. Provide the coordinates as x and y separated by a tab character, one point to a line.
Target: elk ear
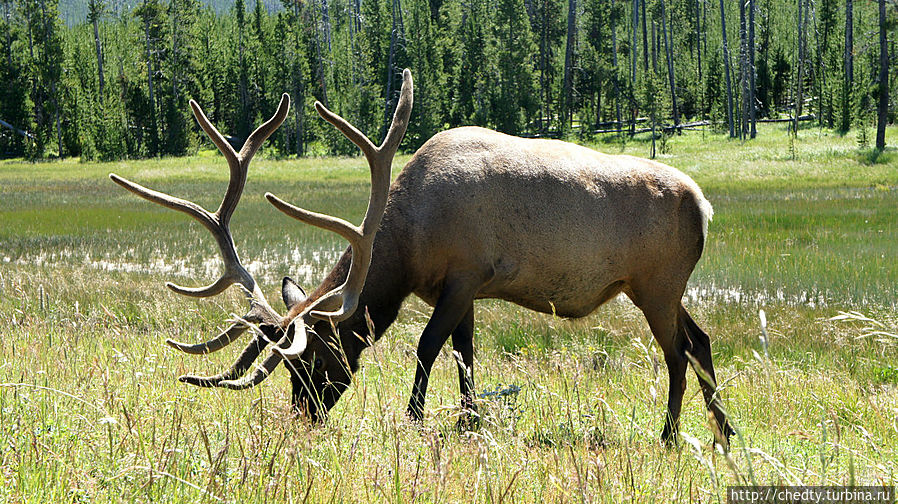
292	293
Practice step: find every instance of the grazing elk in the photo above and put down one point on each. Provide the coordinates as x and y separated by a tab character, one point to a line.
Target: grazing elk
545	224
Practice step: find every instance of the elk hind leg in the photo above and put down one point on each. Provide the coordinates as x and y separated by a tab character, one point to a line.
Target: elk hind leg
463	345
700	348
662	319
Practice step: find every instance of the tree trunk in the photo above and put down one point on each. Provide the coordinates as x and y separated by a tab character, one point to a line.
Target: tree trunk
8	35
633	43
326	22
544	118
645	41
883	107
299	88
654	46
726	64
153	139
799	98
819	72
99	49
396	30
698	38
848	82
59	126
616	72
175	22
670	66
743	71
752	90
53	96
569	61
322	81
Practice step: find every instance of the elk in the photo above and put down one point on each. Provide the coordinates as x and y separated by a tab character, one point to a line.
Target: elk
548	225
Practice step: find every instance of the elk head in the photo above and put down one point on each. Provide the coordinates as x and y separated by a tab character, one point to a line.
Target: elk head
314	358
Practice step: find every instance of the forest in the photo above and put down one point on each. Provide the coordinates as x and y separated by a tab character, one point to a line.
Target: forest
116	83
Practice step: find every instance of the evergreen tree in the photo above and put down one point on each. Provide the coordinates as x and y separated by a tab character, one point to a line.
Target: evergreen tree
14	84
514	101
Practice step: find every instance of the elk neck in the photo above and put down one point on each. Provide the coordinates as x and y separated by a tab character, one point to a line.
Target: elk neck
386	287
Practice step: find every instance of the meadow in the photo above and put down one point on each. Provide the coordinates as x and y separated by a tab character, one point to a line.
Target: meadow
91	411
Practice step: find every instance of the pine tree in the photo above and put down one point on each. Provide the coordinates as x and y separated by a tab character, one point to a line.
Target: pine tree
514	87
152	17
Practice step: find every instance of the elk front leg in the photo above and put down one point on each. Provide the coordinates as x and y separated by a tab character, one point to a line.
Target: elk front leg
453	304
463	344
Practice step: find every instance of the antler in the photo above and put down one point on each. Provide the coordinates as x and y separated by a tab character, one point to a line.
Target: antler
341	302
218	223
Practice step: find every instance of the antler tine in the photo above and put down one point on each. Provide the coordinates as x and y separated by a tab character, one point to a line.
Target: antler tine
223	339
259	374
324	221
400	116
240	165
349	131
257	137
181	205
243	363
214	134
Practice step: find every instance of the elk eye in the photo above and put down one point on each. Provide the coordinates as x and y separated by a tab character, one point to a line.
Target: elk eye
318	363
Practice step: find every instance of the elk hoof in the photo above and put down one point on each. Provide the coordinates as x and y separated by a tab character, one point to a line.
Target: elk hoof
469	421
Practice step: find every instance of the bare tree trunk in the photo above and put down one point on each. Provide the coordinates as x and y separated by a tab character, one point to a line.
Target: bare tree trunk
56	114
326	22
633	43
883	107
799	98
726	64
53	97
614	62
322	81
670	66
245	122
8	35
752	101
544	118
848	83
146	31
397	30
15	129
654	46
30	35
299	90
174	42
99	49
698	37
819	71
645	42
569	61
743	71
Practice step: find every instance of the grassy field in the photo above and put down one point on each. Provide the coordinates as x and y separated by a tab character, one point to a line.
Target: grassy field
90	410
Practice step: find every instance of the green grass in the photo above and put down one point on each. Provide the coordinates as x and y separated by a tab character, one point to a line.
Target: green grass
90	410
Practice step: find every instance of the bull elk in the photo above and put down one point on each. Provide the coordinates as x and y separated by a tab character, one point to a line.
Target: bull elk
545	224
